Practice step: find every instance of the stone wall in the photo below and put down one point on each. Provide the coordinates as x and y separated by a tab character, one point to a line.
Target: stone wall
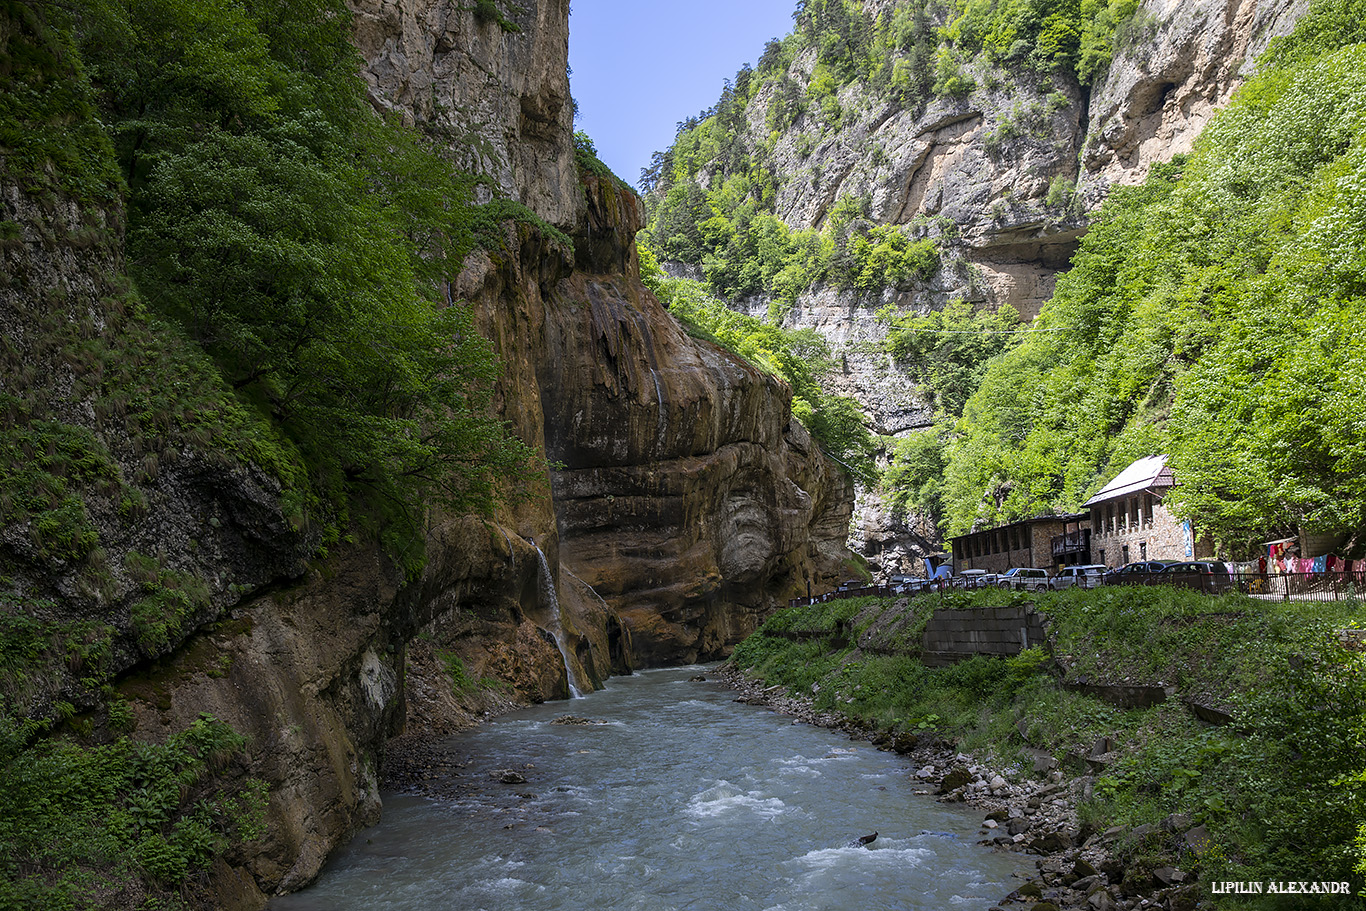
954	635
1141	528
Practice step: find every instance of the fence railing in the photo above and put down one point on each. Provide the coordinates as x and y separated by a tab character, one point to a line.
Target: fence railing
1271	586
1312	586
1324	586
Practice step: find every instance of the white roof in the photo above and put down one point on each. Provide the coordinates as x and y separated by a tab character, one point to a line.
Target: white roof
1145	474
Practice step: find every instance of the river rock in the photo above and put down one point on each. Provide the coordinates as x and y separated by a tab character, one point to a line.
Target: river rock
1197	839
956	778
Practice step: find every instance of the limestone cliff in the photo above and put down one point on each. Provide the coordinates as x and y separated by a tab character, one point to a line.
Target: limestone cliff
688	503
1160	93
154	540
1002	178
687	498
495	89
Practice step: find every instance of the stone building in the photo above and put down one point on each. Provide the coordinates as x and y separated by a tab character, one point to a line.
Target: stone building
1129	521
1031	542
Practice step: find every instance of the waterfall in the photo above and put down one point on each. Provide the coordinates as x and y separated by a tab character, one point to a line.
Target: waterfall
663	428
593	590
556	629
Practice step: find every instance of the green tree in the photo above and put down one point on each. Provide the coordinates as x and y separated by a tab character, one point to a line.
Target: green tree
1208	315
305	244
947	350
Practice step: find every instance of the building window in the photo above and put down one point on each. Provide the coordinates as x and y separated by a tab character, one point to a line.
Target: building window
1125	551
1142	550
1102	556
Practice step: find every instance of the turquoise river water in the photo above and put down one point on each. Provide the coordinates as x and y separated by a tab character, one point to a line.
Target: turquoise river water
678	798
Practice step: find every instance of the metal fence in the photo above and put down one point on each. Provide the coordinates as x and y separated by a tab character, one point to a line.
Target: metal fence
1324	586
1268	586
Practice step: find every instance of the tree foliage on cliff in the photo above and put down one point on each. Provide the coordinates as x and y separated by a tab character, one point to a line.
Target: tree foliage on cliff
286	312
711	194
945	352
119	824
801	358
303	242
1213	313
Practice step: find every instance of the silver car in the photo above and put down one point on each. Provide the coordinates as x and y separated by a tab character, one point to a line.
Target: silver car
1024	578
1091	575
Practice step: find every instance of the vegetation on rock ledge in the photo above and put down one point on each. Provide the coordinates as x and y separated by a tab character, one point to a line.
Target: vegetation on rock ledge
285	324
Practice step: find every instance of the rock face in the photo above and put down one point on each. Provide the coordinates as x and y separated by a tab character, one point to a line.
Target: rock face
683	506
112	498
687	499
1160	92
497	91
1002	178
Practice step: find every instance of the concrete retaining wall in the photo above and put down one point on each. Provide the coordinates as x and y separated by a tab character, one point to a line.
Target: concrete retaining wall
953	635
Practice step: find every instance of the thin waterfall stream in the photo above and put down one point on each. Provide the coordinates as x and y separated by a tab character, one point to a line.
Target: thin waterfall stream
552	599
661	792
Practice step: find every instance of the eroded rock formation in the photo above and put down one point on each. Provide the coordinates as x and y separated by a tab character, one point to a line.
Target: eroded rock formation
1002	178
686	497
683	506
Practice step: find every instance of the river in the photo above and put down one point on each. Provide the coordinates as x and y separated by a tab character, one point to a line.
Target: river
676	798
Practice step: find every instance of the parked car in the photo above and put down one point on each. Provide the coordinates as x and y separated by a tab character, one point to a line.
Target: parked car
1138	573
969	578
1090	575
1209	576
905	585
1024	578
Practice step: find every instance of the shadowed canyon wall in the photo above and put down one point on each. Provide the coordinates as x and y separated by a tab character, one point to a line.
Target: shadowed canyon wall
683	504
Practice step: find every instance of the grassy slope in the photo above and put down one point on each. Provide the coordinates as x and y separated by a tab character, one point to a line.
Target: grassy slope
1280	789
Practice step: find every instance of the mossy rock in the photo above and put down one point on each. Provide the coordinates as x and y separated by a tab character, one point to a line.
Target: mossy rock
957	778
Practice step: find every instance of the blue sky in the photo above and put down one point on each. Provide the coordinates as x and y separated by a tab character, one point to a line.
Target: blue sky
641	66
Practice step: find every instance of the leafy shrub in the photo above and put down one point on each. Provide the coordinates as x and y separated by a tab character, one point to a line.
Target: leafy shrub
486	11
302	242
1206	315
77	821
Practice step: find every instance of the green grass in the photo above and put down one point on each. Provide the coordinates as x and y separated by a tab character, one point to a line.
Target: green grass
1282	790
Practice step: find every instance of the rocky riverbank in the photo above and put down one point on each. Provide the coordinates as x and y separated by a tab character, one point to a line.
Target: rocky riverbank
1079	866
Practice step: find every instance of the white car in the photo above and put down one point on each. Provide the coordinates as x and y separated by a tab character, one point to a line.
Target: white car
1092	575
970	578
1024	578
